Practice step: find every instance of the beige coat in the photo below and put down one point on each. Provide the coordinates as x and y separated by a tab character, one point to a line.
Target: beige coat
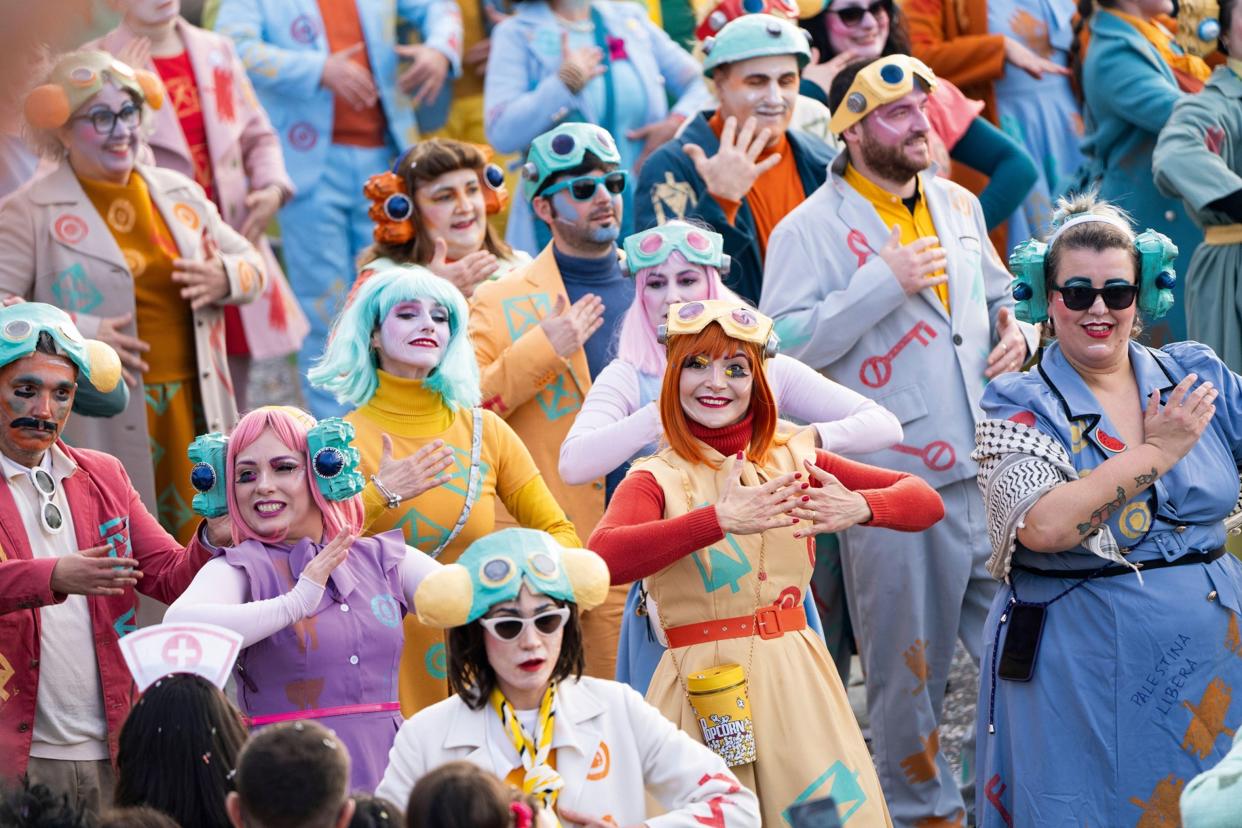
56	248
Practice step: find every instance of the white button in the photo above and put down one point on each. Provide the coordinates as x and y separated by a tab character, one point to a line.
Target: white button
344	607
353	659
1169	215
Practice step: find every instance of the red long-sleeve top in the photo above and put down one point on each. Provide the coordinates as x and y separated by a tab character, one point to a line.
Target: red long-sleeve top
636	540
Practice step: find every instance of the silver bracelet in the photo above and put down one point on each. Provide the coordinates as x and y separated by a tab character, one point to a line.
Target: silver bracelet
390	499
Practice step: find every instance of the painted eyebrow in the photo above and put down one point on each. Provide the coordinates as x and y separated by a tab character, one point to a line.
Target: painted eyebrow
249	462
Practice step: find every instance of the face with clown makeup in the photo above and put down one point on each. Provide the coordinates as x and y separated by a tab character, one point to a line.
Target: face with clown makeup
412	338
892	141
271	482
672	281
107	156
36	396
1096	339
524	665
451	207
716	392
586	228
763	88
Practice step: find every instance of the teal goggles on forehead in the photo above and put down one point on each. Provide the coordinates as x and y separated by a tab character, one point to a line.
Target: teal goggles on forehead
584	187
651	248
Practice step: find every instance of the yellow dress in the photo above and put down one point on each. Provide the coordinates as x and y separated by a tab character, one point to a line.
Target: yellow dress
165	322
807	741
412	416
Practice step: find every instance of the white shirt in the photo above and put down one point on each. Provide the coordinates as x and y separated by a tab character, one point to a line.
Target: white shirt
69	712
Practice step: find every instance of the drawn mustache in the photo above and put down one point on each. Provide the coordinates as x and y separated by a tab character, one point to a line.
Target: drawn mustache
31	422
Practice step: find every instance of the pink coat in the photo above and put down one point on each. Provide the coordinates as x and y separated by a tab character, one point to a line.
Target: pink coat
105	509
245	155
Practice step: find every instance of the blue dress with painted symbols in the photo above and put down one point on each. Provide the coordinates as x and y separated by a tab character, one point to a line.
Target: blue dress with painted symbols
1132	693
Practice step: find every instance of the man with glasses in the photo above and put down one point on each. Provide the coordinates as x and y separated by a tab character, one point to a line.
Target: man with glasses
740	169
885	280
542	332
75	542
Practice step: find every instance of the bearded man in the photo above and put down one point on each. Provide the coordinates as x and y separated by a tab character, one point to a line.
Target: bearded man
885	280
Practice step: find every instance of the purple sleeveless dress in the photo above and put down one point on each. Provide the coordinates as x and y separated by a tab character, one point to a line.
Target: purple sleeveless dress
345	653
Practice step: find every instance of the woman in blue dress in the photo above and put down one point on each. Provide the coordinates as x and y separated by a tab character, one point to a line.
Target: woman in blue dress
1112	655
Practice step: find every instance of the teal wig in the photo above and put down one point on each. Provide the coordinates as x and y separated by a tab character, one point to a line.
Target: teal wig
348	367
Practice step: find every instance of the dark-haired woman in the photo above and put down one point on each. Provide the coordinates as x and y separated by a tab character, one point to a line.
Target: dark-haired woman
585	747
178	749
849	30
1112	655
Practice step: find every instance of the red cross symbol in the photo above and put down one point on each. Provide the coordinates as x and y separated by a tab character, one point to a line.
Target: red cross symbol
183	652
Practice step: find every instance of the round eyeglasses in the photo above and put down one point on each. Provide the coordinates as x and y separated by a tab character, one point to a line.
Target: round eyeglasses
105	120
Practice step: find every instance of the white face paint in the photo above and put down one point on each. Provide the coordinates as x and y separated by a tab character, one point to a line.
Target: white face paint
764	88
412	338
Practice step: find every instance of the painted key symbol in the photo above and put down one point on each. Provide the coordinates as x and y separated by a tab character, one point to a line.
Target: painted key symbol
936	455
876	371
994	791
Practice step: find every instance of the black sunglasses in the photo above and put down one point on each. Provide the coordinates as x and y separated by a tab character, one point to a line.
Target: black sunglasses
1081	297
853	15
584	186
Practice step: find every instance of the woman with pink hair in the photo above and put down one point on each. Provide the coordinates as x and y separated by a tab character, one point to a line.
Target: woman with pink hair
318	607
620	418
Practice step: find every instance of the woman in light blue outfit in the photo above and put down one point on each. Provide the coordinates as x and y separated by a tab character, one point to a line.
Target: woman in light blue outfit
1106	472
621	72
1040	114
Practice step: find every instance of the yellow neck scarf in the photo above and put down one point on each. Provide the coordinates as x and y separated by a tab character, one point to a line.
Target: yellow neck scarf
1189	70
541	778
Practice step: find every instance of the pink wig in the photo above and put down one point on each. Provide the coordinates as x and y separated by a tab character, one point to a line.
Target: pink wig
290	426
636	342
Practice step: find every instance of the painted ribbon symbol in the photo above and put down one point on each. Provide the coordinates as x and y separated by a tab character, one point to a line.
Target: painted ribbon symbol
936	455
857	243
876	371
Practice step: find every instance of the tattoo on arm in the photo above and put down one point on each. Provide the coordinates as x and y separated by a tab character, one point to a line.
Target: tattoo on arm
1100	515
1146	479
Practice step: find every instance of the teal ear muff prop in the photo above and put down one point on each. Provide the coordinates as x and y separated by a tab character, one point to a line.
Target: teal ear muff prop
334	460
208	453
1157	254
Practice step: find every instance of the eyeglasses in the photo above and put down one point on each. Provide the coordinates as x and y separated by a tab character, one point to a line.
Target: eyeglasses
50	516
853	15
508	628
1081	297
584	186
104	120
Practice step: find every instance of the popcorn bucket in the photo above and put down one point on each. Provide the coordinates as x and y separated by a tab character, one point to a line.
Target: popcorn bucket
718	695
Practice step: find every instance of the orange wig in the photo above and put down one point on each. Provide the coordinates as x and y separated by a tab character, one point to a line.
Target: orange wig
713	342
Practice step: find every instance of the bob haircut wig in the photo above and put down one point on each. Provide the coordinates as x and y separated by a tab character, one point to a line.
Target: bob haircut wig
341	369
715	343
290	425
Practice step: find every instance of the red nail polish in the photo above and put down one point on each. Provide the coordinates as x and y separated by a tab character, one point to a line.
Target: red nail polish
805	498
806	485
739	455
797	475
795	520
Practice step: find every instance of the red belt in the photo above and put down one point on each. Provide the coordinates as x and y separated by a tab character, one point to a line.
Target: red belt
768	622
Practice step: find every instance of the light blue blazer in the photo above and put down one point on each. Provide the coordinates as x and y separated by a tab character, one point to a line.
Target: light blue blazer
283	45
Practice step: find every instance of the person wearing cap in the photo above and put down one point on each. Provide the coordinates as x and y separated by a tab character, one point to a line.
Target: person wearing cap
620	418
720	525
331	75
885	280
543	332
141	259
587	748
438	463
740	169
215	132
77	543
558	61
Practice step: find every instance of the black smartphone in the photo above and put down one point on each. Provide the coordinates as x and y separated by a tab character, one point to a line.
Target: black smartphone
814	813
1024	629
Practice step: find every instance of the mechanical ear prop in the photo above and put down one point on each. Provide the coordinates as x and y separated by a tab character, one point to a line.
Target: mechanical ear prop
1198	26
209	454
392	208
78	77
653	247
739	321
333	459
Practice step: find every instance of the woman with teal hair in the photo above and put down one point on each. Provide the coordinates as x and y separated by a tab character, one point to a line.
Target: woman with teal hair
399	352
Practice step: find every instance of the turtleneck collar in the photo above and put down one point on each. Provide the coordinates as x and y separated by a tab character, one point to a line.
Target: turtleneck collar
728	440
408	407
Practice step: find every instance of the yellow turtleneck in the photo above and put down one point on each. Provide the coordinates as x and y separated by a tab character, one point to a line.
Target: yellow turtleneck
412	416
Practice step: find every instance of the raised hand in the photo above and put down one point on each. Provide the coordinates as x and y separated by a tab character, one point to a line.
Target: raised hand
821	74
93	572
1029	62
568	329
137	53
1010	350
654	135
261	205
579	66
329	558
732	171
1175	427
749	510
417	473
829	508
913	264
129	348
353	82
424	77
467	272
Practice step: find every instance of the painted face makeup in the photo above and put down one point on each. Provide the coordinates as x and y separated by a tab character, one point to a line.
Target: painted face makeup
1099	336
451	207
895	138
524	665
673	281
765	88
867	36
412	338
270	481
593	222
102	157
36	396
716	392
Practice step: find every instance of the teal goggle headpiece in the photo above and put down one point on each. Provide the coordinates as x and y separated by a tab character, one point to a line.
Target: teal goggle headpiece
653	247
22	323
564	148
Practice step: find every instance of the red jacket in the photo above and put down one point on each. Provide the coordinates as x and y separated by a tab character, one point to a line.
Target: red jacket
105	509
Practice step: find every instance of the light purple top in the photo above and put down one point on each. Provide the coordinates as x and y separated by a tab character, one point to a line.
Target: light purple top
614	425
